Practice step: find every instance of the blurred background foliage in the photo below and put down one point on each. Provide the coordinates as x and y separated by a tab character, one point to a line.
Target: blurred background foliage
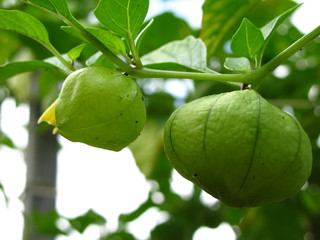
298	89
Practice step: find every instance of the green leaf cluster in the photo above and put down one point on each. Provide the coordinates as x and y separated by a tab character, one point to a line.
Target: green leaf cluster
118	42
249	43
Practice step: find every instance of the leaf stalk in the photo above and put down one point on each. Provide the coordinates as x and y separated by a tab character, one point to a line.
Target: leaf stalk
254	77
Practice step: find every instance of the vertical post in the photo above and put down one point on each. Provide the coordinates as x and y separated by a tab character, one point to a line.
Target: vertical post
41	161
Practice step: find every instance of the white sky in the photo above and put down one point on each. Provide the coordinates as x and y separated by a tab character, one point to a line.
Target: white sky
105	181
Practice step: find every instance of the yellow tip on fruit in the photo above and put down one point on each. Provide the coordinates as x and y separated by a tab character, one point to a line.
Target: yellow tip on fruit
55	131
49	115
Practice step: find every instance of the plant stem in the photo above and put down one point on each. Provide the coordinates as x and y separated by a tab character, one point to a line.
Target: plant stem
50	47
286	54
61	59
153	73
134	52
254	77
292	49
114	58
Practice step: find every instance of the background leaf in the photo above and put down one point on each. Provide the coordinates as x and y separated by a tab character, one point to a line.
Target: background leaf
268	29
142	34
147	147
268	221
81	223
190	52
24	24
271	26
175	29
247	41
240	64
120	235
124	17
6	141
219	18
14	68
9	44
45	223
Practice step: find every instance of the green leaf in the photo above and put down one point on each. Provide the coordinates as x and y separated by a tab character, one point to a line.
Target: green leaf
57	62
56	6
7	141
75	52
74	33
45	223
189	52
98	59
149	144
247	40
276	221
240	64
82	222
269	29
111	41
47	87
175	29
124	17
29	26
42	4
271	26
9	44
93	59
119	235
171	66
142	34
14	68
6	198
129	217
61	7
25	24
219	19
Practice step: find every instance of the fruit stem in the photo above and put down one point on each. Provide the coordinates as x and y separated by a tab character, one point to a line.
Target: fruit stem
94	41
244	86
61	59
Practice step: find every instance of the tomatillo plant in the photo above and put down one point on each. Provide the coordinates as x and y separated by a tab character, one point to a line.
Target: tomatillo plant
236	146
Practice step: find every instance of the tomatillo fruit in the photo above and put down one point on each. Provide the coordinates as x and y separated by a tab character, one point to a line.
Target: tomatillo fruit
239	148
100	107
